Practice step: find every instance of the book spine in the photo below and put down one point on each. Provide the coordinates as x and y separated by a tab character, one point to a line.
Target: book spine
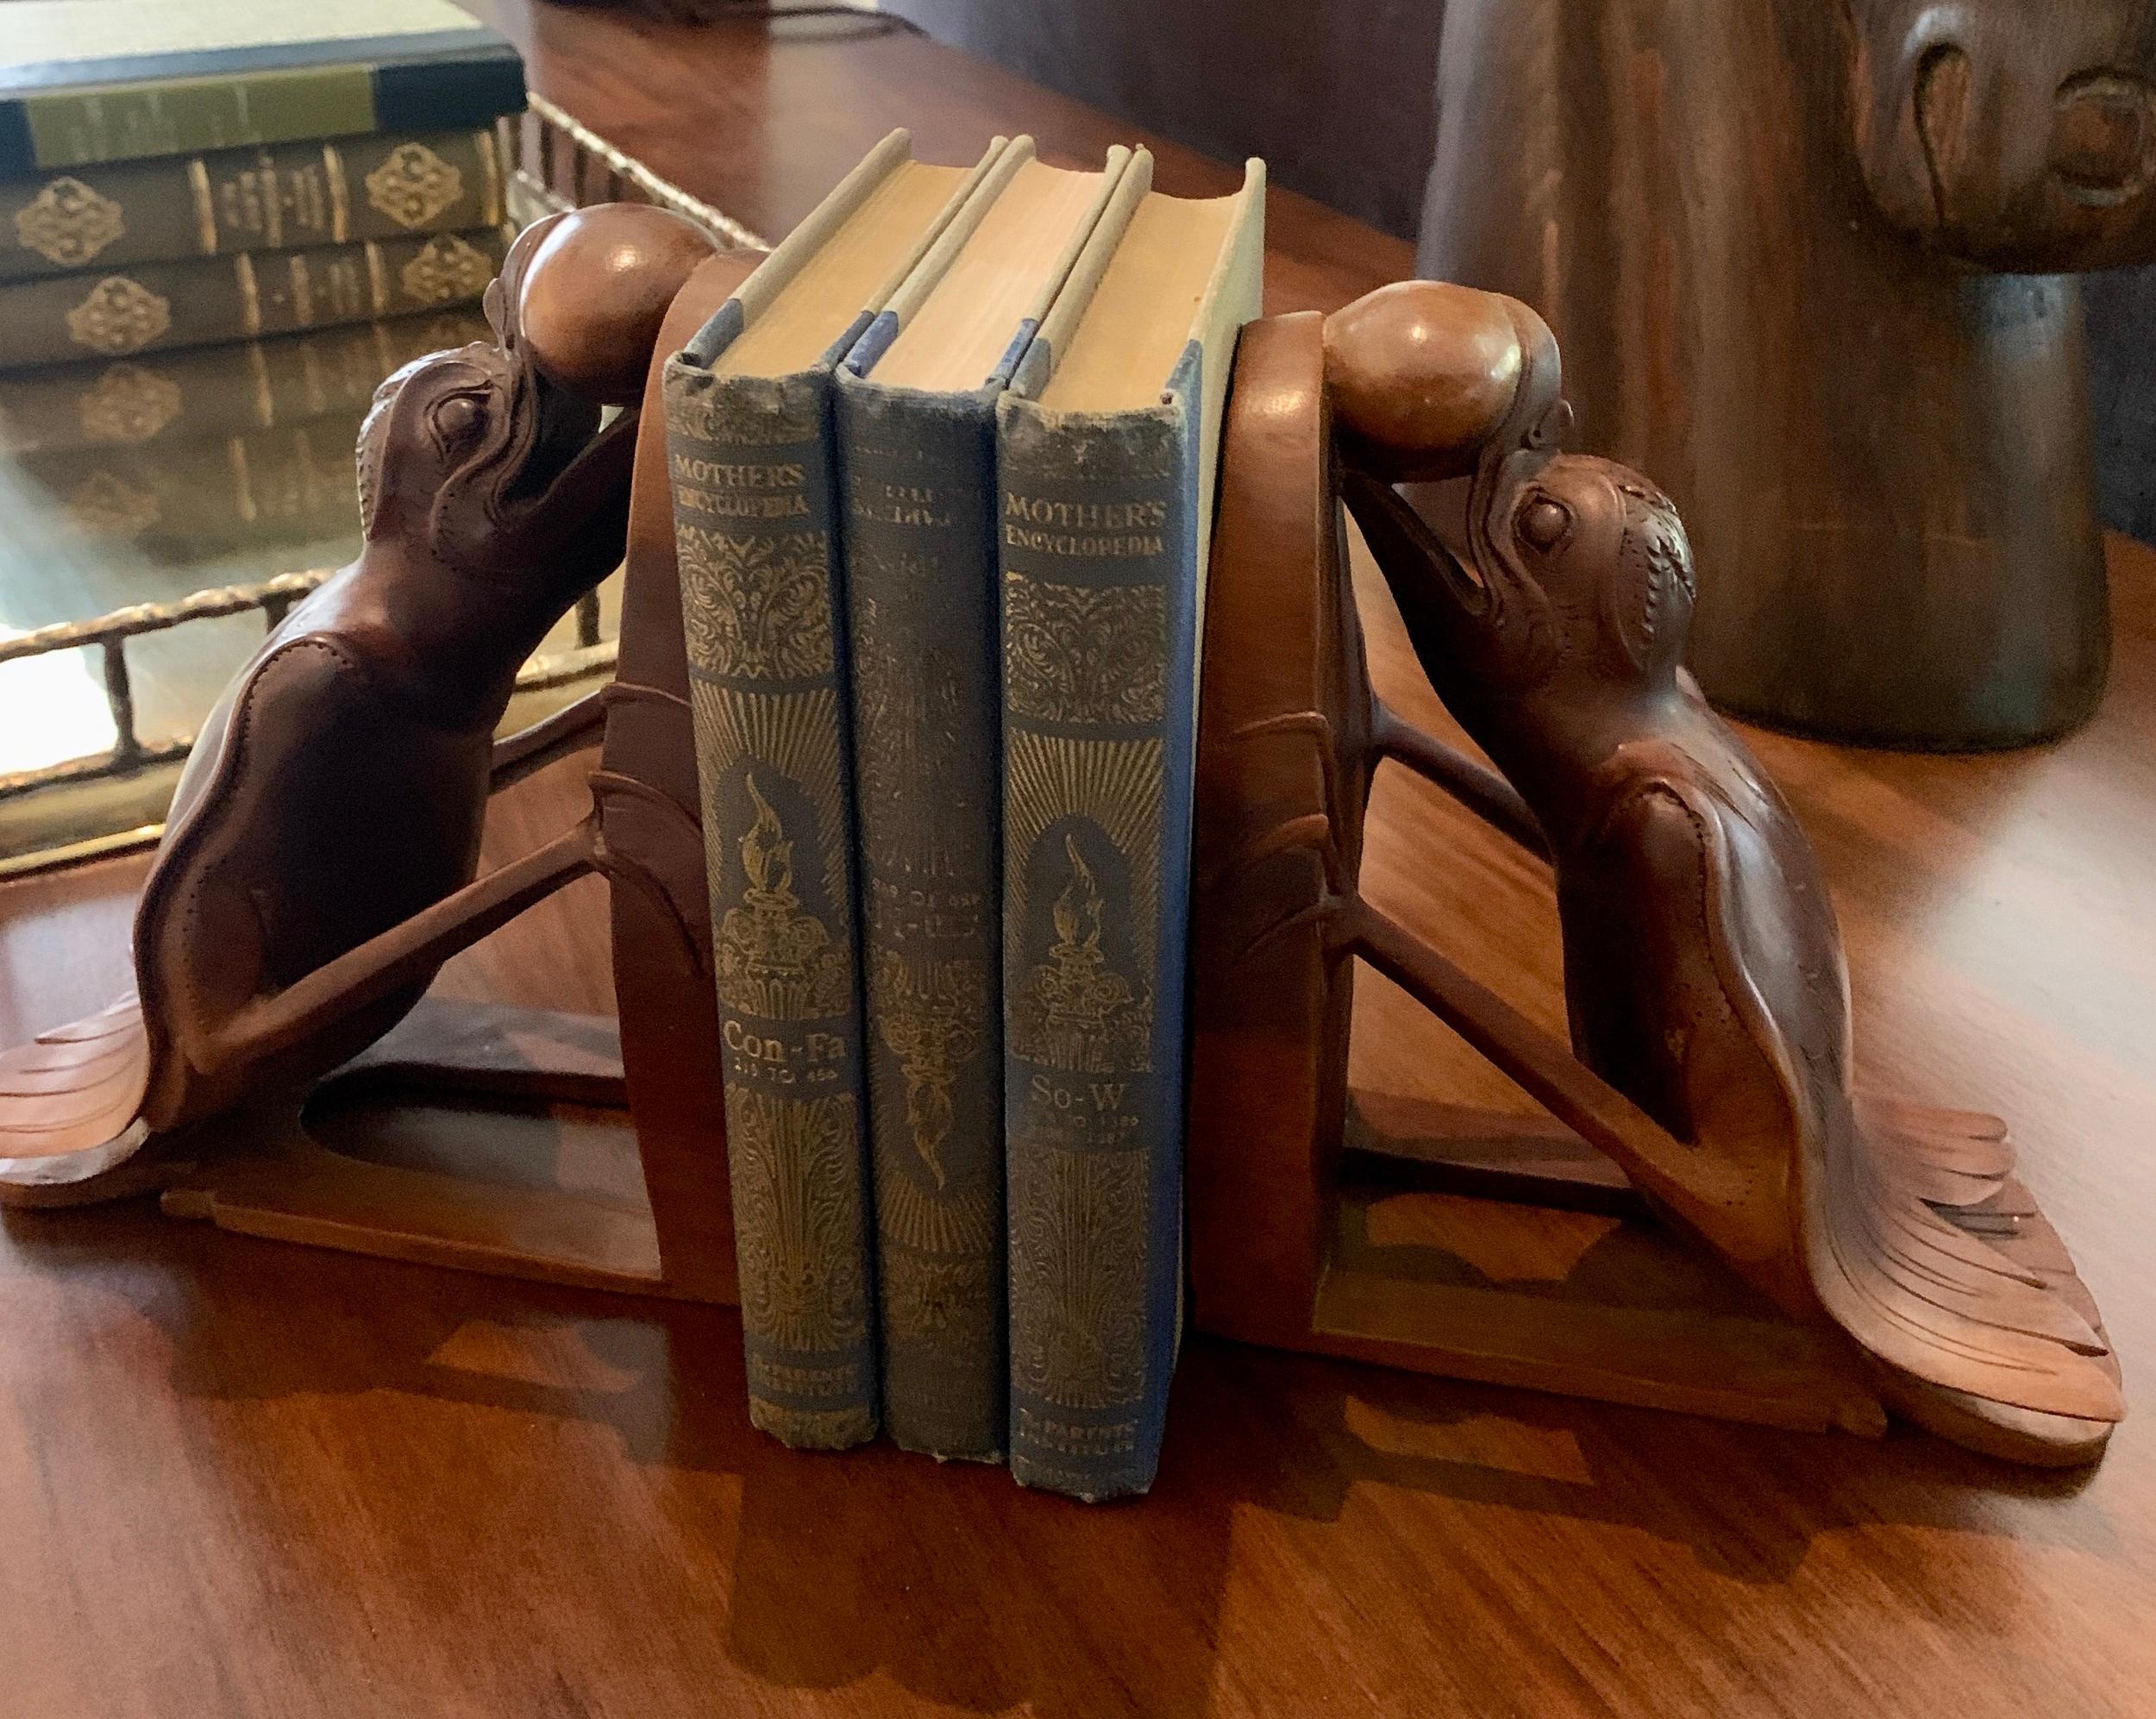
220	490
754	494
182	104
228	390
163	306
919	475
296	195
1098	549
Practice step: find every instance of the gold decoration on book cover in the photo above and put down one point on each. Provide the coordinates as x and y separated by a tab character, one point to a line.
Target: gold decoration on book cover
127	402
118	316
776	960
787	414
1116	787
928	1297
1075	1012
756	608
412	185
1078	1233
798	1223
68	223
791	738
108	505
931	1014
908	751
1084	652
938	1263
446	268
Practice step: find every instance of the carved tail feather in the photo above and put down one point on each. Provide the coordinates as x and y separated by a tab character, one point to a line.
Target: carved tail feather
1925	1294
2028	1239
1955	1159
1946	1306
1918	1292
69	1099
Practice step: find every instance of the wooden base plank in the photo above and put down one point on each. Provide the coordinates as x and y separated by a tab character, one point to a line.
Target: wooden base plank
1579	1302
475	1137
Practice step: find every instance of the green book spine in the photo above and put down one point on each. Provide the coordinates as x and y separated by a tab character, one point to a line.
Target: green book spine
285	198
224	390
1099	535
218	492
920	593
162	306
754	494
77	112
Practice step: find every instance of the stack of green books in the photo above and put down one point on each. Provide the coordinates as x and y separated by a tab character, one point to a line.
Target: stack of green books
221	227
942	474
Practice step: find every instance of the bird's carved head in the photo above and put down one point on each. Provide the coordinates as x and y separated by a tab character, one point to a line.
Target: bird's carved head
476	459
2014	135
1519	569
1608	555
491	457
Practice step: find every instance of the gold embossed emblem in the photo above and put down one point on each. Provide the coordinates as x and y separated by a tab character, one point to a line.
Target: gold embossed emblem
1077	1012
111	506
1075	653
931	1014
924	1298
118	316
776	959
933	1272
68	223
128	403
413	185
446	268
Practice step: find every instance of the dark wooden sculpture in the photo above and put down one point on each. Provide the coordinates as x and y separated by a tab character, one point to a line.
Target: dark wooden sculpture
1703	968
318	865
320	868
1774	236
565	1148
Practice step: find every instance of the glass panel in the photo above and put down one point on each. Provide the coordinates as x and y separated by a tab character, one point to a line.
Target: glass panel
130	485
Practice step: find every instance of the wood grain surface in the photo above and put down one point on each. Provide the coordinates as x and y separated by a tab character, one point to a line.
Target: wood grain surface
243	1478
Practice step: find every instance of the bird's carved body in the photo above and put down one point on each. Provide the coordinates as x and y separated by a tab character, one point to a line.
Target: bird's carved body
340	786
1704	971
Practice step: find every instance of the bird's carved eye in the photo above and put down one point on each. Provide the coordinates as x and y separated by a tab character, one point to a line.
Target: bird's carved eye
457	419
1543	523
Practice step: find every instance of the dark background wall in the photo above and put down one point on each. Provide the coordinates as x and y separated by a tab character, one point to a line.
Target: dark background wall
1336	96
2122	394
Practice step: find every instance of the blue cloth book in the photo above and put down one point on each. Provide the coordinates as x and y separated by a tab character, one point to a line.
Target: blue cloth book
917	447
1107	438
756	502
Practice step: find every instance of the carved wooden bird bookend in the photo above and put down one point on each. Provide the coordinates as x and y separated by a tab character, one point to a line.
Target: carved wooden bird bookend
318	861
1703	966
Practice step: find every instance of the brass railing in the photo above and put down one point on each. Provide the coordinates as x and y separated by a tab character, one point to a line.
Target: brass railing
554	164
273	597
559	164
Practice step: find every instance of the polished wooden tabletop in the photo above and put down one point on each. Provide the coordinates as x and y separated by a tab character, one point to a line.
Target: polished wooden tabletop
238	1477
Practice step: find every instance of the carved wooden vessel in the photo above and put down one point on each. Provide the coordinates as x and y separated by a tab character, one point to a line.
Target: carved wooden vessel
1775	237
